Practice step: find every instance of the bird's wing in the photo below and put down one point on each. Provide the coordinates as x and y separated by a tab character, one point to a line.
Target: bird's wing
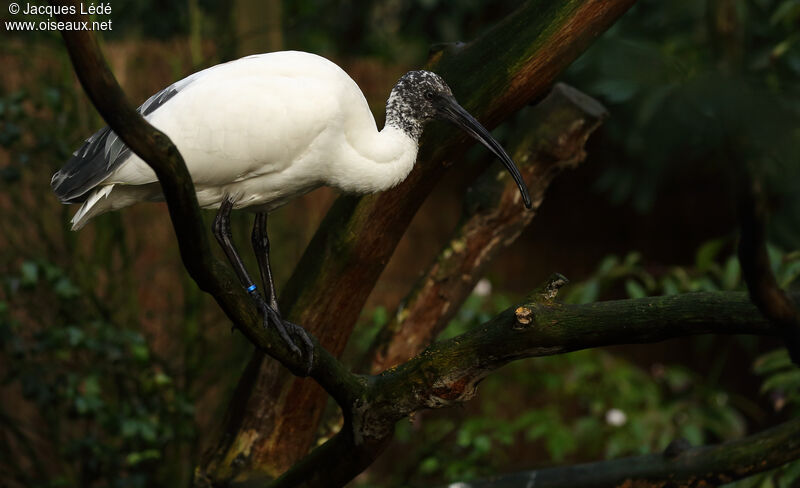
103	152
235	121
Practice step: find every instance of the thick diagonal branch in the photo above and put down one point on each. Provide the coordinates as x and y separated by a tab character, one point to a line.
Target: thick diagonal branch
493	76
448	372
692	467
550	137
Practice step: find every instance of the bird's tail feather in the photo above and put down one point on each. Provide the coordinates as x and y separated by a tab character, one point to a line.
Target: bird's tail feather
91	207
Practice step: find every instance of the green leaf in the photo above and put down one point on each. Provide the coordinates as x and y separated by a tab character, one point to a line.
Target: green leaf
65	289
129	427
81	405
91	386
30	273
75	336
790	475
707	254
669	286
560	442
464	438
787	12
730	274
606	265
787	380
482	444
140	352
147	429
161	379
429	465
135	458
634	289
789	273
380	316
772	361
677	378
775	258
693	434
632	259
536	432
590	292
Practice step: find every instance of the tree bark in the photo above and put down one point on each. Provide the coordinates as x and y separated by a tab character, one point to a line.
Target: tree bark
448	372
272	417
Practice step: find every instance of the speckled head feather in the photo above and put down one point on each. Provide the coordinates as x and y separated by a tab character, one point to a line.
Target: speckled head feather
413	101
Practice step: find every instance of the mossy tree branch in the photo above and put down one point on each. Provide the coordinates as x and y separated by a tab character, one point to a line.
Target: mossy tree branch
550	137
685	467
448	372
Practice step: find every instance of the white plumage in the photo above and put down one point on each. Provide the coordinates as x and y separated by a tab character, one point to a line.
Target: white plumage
260	131
265	129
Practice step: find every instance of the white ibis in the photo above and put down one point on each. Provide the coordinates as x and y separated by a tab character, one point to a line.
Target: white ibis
259	131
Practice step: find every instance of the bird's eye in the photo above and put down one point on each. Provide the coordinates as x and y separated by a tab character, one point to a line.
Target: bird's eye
428	95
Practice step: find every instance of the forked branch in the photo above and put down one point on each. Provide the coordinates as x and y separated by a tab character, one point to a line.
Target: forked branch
448	372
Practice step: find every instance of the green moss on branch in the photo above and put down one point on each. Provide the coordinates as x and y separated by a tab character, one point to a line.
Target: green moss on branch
448	372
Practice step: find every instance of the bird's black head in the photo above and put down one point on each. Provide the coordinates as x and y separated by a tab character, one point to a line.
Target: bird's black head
419	96
414	100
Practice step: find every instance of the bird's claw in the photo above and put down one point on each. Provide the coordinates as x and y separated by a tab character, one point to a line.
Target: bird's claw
300	333
286	330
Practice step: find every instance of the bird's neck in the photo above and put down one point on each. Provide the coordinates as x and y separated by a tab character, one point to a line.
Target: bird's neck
401	115
375	161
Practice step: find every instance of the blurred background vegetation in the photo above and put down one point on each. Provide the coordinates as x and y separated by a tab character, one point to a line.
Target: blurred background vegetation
115	369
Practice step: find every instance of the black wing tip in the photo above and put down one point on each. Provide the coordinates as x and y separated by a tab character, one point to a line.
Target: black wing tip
98	157
65	192
87	167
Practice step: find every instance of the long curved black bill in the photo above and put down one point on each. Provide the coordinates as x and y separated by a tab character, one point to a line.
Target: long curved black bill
450	110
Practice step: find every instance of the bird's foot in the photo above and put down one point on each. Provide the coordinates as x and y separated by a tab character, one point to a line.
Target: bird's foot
299	334
292	334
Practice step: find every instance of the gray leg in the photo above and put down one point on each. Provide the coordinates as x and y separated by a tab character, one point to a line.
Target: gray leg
261	247
260	241
222	231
